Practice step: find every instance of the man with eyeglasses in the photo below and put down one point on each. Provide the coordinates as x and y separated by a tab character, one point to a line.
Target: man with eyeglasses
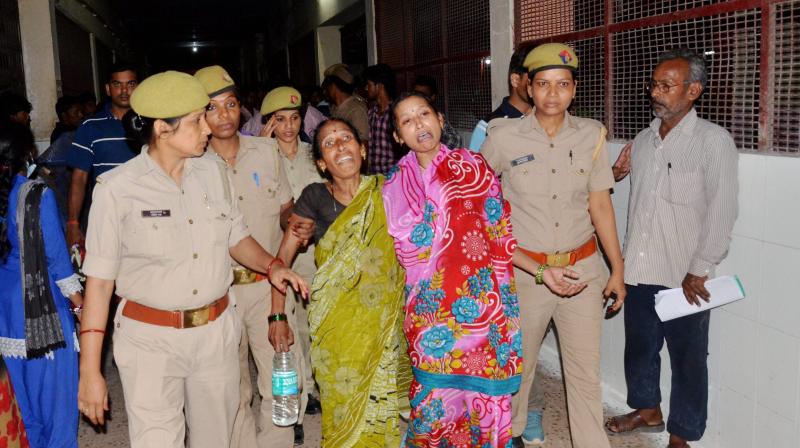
100	144
683	204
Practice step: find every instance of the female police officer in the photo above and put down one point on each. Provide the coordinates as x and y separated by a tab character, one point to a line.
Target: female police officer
162	228
557	176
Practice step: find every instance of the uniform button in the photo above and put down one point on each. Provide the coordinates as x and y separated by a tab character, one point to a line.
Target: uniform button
581	170
552	145
291	167
525	171
240	198
555	196
182	192
235	172
553	170
556	224
194	291
194	256
190	221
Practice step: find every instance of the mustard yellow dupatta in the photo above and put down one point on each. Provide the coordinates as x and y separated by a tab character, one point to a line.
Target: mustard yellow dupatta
358	351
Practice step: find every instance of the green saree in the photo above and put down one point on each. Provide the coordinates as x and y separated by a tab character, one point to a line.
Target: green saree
358	351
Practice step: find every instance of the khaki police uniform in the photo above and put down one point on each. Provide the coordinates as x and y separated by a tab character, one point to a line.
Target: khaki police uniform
547	182
167	247
261	188
301	172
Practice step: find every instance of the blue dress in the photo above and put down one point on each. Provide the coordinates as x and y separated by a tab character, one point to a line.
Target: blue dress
46	387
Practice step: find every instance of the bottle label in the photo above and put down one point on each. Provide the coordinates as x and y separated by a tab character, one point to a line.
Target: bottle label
284	383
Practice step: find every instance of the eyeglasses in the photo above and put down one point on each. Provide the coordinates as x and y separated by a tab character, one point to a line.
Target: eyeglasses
662	87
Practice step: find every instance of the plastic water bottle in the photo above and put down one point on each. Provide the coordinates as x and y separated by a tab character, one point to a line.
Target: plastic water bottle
285	394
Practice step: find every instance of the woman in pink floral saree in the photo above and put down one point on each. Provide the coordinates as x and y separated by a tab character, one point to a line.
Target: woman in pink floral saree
446	212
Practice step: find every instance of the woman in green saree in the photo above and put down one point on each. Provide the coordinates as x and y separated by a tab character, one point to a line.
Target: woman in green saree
358	352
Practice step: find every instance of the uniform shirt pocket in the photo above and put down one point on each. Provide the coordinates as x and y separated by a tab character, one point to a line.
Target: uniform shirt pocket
151	237
580	169
219	218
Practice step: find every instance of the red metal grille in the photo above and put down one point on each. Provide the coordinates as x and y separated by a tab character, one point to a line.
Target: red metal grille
731	44
589	100
786	136
445	39
391	36
543	18
639	9
469	92
752	48
426	31
467	27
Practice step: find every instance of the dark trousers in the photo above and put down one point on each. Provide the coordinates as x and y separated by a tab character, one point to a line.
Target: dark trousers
687	342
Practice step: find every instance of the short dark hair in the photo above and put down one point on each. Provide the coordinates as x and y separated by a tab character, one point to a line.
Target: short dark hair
339	83
382	74
119	67
12	103
65	102
697	64
86	97
427	81
515	64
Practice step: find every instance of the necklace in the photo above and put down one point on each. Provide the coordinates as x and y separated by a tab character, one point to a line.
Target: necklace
227	161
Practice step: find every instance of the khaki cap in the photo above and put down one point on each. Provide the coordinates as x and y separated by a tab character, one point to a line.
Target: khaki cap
281	98
340	71
168	95
215	80
553	55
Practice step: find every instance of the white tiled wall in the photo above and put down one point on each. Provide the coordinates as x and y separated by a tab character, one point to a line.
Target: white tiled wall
754	349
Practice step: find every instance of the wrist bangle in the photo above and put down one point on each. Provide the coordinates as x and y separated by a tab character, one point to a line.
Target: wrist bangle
540	273
275	317
271	264
72	221
91	330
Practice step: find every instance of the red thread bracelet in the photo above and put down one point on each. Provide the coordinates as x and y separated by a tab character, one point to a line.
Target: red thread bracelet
92	330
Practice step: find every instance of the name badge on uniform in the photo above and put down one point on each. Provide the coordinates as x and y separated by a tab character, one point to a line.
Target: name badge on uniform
524	159
155	213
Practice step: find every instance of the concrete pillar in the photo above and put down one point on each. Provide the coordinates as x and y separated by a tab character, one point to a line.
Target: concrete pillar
37	34
372	45
501	32
329	48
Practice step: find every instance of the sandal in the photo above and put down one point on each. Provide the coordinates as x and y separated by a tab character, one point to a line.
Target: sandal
630	424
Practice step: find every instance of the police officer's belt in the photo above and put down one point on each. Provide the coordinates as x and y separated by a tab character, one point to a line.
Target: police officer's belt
196	317
561	259
244	276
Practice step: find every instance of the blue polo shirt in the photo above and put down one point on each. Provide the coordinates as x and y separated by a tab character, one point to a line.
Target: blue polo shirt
100	145
504	110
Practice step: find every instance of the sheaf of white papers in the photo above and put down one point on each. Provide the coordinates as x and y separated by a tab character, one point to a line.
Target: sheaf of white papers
672	304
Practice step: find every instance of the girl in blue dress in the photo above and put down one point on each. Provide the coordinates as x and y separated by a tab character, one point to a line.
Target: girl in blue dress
37	328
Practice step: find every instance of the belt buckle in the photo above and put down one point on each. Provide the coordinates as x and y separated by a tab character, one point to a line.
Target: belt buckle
196	317
243	276
558	260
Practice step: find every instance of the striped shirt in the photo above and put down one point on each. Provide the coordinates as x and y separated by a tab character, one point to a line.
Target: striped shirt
100	145
683	202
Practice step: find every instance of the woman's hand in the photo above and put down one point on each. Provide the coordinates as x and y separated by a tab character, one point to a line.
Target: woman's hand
616	285
280	336
269	128
555	279
93	397
281	275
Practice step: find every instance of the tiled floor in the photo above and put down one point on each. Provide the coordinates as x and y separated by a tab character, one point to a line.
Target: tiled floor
116	431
